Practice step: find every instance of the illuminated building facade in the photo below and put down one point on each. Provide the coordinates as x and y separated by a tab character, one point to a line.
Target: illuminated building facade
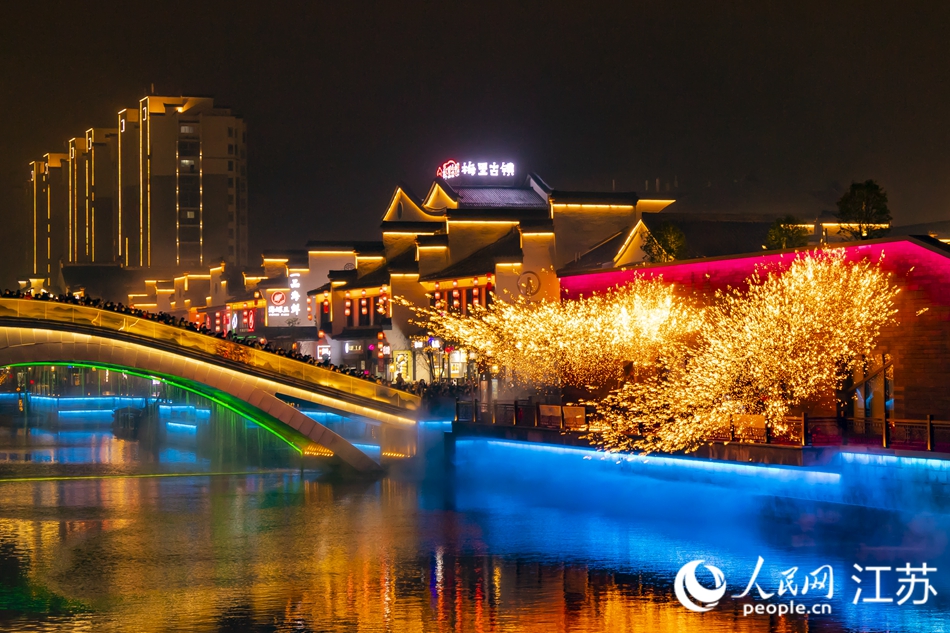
192	185
49	209
93	197
483	228
162	193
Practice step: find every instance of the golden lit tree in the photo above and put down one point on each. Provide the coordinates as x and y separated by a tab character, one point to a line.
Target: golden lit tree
790	337
585	342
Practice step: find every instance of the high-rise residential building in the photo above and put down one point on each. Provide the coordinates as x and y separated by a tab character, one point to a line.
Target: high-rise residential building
192	188
128	210
162	193
93	197
49	197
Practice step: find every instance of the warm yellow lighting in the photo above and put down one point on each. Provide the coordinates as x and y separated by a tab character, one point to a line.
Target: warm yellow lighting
596	207
504	222
342	252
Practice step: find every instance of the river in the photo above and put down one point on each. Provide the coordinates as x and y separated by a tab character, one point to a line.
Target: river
178	532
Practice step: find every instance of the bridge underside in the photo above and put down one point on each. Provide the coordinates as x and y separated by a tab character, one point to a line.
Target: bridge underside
251	396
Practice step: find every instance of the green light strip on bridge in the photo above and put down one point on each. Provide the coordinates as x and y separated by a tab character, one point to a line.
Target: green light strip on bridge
225	400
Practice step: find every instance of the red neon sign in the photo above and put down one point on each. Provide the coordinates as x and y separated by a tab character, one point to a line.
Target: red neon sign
449	169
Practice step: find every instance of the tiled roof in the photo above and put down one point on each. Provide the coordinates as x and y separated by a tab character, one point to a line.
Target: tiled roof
707	235
500	198
295	258
439	239
513	214
594	197
507	249
600	256
412	227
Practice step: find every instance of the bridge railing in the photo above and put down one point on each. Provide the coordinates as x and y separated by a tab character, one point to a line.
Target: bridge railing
197	342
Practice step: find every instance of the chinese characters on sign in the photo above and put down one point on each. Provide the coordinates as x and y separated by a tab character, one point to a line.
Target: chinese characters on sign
453	169
284	306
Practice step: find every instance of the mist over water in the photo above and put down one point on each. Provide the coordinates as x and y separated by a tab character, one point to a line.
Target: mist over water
204	524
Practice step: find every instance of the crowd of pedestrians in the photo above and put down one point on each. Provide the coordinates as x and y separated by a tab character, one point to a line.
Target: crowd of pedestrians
429	392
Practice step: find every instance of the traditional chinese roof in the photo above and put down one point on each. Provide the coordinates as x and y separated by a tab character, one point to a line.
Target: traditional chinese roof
594	197
602	255
411	227
281	281
295	258
482	261
716	234
499	198
488	214
707	235
439	239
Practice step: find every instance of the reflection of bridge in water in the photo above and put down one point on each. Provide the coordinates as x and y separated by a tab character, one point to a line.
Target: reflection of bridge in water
263	386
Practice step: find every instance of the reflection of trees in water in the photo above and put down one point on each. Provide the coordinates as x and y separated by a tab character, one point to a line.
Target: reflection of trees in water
19	594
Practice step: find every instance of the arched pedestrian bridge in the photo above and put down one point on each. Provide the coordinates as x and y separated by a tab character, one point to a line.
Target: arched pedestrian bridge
257	384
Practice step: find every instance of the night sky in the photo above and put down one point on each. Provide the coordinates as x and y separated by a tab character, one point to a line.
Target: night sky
747	106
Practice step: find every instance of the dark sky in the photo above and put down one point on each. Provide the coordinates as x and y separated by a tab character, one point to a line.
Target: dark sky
749	106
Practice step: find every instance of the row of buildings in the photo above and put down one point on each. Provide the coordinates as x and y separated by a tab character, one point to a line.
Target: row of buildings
162	190
482	229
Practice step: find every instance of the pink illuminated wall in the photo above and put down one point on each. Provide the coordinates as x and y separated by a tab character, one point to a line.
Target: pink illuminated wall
914	265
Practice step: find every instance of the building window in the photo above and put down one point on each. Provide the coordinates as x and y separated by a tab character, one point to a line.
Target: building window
230	165
230	182
230	149
244	137
243	170
189	191
190	214
187	129
188	165
230	132
188	148
230	198
230	232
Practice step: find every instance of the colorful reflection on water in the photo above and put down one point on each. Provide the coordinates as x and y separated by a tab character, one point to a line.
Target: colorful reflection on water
507	539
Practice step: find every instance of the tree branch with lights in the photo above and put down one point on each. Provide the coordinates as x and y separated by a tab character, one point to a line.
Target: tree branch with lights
683	369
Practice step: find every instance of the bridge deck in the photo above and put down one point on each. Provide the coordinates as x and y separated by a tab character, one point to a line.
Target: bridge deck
74	318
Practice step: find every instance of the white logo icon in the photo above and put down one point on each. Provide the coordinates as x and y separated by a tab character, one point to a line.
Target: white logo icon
687	586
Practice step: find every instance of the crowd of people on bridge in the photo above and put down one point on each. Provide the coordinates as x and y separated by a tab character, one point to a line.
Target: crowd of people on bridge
429	392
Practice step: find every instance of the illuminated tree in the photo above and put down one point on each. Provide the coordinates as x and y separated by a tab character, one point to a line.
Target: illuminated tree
585	342
863	211
786	232
791	336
